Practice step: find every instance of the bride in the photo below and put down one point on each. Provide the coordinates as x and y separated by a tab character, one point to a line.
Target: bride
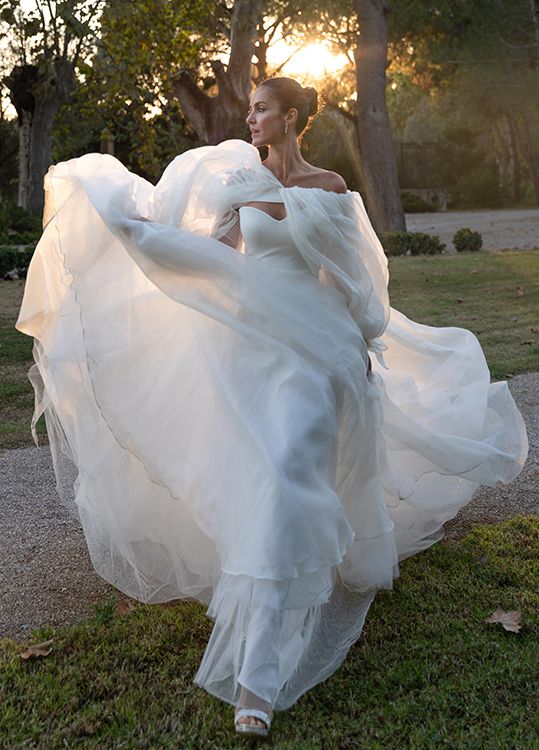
216	422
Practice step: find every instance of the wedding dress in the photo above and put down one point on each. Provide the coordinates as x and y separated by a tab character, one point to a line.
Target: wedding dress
203	371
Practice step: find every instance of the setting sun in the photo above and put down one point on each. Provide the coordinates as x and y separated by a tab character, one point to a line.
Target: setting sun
311	62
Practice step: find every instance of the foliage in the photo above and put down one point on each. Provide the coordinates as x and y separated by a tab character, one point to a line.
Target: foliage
467	240
145	659
14	218
395	243
8	158
422	243
11	259
129	84
410	243
413	203
464	73
45	30
17	227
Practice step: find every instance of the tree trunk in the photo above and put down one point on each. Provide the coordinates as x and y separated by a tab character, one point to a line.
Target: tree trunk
502	153
37	94
216	118
25	133
528	149
515	160
376	148
40	153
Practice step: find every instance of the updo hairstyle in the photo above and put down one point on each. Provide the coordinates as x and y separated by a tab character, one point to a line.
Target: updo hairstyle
289	93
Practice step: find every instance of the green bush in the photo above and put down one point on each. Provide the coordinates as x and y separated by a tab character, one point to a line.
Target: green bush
10	258
466	240
17	227
425	244
395	243
410	243
18	238
414	204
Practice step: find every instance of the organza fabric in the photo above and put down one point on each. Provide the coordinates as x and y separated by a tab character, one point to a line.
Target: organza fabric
202	368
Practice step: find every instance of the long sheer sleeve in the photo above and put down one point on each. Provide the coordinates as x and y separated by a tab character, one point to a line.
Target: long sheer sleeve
333	234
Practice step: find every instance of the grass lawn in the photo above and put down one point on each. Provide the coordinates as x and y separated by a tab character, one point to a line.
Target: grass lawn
429	672
496	295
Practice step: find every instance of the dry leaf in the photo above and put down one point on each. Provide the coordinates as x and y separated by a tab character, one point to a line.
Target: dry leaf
529	342
520	291
534	330
515	318
124	606
37	649
509	620
459	300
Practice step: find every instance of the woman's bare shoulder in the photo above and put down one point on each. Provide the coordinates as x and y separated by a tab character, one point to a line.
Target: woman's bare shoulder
330	181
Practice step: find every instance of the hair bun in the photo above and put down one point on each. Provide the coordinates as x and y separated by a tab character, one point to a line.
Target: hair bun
312	93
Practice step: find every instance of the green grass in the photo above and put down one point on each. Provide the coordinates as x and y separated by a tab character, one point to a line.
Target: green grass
428	672
479	291
495	295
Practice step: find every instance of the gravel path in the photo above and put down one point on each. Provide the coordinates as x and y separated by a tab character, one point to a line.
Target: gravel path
501	230
47	578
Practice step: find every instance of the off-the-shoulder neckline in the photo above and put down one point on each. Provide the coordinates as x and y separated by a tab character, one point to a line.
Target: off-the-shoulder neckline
301	187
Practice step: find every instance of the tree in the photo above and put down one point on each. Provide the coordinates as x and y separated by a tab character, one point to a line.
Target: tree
360	30
48	43
222	116
129	83
372	119
477	64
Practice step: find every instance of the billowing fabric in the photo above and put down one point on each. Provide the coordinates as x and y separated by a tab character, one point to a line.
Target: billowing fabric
202	368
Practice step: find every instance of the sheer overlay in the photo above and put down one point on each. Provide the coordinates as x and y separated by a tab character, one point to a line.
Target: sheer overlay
202	368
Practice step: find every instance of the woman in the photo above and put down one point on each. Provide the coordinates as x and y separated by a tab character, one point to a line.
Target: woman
202	360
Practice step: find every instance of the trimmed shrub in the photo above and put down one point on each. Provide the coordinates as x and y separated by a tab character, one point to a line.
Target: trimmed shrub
18	238
414	204
395	243
10	258
467	240
18	227
425	244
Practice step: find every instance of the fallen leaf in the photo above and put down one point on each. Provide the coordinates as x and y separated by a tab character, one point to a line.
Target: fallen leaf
526	343
509	620
509	374
124	606
37	649
459	300
515	318
520	292
534	330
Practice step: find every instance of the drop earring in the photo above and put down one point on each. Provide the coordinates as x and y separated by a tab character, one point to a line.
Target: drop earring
285	128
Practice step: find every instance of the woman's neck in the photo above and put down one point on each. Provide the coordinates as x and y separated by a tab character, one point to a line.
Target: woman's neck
286	162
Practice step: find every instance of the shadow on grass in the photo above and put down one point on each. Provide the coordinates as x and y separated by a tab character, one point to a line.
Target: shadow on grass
427	673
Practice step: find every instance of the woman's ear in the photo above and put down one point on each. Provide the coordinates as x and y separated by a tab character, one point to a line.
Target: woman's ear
292	116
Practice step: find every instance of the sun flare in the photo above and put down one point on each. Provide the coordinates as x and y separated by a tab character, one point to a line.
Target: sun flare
312	62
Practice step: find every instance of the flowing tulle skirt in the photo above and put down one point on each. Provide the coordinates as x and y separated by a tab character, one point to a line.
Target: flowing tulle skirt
214	428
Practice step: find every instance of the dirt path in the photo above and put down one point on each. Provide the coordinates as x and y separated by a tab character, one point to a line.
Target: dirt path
501	230
46	576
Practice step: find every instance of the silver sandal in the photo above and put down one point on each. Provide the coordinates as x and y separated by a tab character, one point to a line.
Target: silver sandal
252	729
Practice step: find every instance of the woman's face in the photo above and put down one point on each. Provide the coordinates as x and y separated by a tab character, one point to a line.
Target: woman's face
265	119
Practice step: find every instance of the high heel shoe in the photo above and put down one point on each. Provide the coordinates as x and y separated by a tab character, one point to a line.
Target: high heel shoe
253	731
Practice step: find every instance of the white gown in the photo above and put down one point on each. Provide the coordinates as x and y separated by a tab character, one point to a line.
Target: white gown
210	414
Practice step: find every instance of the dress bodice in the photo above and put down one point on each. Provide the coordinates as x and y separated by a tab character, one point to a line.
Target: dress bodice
269	239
